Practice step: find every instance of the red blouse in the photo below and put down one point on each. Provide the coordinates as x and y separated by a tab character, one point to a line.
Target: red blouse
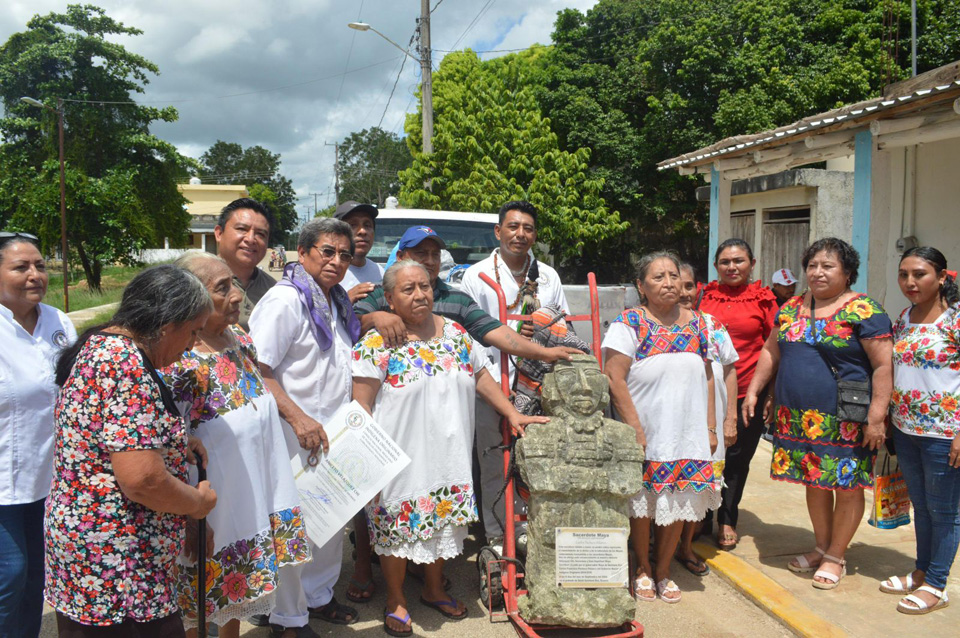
748	313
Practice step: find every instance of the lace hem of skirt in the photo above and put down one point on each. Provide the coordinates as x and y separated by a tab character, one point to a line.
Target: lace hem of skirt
445	544
667	508
262	605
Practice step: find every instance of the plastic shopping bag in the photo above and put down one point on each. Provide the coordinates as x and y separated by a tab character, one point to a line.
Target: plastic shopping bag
891	502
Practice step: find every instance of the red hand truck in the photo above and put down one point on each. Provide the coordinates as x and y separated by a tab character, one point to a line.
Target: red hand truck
502	574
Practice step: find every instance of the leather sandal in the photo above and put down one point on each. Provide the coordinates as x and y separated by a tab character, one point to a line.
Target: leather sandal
728	541
919	607
800	564
832	579
899	586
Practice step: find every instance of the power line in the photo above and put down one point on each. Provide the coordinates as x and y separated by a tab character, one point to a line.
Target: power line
387	106
233	95
353	38
483	10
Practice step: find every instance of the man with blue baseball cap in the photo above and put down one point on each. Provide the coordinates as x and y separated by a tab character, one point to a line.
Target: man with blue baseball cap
422	244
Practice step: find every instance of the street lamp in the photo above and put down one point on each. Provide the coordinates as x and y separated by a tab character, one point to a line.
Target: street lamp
63	193
426	69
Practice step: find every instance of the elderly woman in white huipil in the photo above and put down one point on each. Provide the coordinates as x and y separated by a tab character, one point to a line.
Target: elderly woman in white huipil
32	334
422	393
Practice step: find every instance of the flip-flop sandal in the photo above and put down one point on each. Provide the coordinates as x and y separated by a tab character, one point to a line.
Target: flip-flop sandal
644	583
696	566
367	587
397	632
334	612
440	604
419	578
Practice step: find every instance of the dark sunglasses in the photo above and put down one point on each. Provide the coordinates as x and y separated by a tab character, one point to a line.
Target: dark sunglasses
327	252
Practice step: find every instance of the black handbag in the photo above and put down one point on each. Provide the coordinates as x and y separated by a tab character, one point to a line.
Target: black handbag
853	396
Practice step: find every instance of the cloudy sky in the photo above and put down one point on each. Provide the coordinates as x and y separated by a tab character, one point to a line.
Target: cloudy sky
288	74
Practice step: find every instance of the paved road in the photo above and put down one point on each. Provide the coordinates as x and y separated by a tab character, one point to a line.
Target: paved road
710	607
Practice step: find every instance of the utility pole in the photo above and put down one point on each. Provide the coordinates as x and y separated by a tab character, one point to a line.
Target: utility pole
426	71
336	170
913	38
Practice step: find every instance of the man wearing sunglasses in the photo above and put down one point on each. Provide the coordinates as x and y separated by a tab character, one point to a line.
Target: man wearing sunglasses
242	233
304	329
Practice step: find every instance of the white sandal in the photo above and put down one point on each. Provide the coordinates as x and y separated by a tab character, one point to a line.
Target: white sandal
922	607
644	583
667	586
832	579
898	586
803	566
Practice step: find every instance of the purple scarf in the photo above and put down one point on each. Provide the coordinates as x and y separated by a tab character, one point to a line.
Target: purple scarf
315	303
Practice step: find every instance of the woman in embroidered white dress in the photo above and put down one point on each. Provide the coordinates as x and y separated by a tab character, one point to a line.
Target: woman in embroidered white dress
257	526
925	411
422	393
661	384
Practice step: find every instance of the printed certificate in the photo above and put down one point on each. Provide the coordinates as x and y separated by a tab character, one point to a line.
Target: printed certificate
361	461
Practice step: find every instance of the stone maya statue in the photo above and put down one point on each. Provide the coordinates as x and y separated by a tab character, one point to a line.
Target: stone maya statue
581	469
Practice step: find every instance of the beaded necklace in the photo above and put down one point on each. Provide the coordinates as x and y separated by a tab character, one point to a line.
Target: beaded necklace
496	272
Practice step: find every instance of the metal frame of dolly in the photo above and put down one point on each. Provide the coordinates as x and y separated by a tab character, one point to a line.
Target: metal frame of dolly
508	564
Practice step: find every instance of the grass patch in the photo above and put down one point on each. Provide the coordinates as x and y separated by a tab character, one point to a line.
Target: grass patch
112	283
100	317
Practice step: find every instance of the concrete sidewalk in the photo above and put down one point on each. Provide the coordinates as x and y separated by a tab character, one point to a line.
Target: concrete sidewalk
774	527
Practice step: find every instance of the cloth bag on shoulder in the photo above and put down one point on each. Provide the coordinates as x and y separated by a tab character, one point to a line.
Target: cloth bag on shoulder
891	501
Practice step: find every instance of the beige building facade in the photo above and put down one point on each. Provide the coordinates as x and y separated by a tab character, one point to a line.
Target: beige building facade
204	202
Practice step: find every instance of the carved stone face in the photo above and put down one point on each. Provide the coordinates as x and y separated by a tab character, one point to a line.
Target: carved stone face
576	388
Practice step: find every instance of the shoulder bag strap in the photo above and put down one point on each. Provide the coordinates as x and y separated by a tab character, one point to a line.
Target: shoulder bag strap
816	341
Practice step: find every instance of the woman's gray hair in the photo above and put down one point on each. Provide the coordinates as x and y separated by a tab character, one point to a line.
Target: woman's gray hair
647	260
319	226
390	277
198	261
158	297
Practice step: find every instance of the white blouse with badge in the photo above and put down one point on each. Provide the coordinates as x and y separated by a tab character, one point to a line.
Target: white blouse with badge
27	397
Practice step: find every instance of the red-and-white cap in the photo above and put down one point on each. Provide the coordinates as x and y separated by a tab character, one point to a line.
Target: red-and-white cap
783	277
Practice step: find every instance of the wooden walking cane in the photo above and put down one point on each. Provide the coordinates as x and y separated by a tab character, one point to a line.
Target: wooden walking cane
202	564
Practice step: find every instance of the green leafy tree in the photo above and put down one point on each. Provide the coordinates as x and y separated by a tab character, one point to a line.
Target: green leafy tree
230	163
121	181
368	164
638	82
492	144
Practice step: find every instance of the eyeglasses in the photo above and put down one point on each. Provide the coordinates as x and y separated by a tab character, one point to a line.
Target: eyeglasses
13	235
328	252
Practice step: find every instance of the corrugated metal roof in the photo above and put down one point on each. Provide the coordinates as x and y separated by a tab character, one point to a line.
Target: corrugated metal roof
850	113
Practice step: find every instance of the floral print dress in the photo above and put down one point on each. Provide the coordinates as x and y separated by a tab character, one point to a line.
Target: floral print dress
426	404
110	559
926	375
811	445
257	523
